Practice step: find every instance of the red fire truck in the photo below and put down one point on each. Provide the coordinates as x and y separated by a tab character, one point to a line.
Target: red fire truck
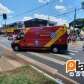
53	38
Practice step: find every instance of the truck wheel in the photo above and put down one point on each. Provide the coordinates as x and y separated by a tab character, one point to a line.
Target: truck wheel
54	50
16	48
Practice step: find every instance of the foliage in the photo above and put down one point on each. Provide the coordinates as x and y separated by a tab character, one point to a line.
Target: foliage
24	75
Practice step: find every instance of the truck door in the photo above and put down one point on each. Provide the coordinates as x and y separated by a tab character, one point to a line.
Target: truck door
32	38
21	39
44	37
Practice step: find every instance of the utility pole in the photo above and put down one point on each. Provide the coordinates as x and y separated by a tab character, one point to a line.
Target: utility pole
75	14
73	32
48	21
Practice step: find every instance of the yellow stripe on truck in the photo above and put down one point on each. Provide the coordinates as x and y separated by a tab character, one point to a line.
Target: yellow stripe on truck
60	32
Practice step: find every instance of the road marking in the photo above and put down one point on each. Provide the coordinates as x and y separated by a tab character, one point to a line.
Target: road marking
64	56
41	65
72	54
20	55
79	49
47	58
46	68
74	51
45	74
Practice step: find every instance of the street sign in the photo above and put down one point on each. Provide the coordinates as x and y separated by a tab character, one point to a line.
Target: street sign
4	16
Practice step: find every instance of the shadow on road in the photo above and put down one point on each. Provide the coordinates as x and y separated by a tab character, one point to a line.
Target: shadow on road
43	51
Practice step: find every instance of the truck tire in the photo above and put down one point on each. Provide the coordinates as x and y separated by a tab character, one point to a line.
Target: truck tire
16	48
54	49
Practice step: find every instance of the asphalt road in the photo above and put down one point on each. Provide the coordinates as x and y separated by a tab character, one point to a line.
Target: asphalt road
56	61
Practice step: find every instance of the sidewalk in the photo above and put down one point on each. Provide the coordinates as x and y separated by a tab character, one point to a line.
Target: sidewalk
9	61
7	64
76	44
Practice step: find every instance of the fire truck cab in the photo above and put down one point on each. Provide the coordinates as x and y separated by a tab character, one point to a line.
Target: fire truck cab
53	38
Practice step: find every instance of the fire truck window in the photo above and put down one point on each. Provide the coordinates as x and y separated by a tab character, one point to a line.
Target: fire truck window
20	36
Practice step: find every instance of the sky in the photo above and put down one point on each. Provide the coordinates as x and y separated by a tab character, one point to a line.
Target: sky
20	10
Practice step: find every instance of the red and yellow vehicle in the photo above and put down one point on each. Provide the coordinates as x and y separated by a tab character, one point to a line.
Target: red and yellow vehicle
53	38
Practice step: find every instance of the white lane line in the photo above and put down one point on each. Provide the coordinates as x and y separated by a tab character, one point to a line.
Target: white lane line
45	74
39	64
63	56
79	49
45	68
47	58
74	51
72	54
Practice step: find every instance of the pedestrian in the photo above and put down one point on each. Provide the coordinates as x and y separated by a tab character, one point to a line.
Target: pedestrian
14	36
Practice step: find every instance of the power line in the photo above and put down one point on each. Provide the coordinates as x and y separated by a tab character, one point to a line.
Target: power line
68	12
30	11
34	9
42	6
